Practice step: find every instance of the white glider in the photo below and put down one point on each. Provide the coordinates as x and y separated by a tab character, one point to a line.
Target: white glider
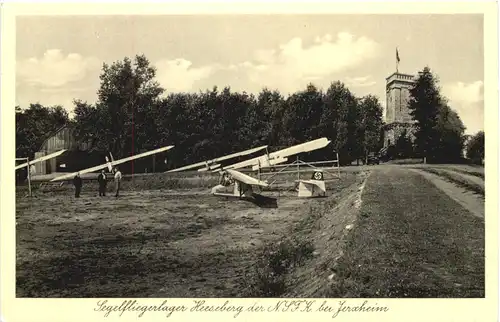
111	163
44	158
277	157
212	164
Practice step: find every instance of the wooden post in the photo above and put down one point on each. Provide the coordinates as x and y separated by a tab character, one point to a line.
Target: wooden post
29	177
298	168
338	164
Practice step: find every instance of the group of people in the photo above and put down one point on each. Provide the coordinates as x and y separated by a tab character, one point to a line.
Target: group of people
102	180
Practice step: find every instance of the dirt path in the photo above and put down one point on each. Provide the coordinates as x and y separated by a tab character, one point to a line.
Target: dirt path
467	199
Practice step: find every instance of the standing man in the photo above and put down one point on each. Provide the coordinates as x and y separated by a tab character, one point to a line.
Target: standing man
118	179
32	170
77	181
102	183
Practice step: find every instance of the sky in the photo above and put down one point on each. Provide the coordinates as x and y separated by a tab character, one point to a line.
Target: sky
59	58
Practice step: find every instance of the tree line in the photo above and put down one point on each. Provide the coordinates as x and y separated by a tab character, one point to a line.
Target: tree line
133	114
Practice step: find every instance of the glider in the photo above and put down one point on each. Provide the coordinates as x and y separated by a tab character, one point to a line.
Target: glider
110	164
314	187
242	184
212	164
44	158
277	157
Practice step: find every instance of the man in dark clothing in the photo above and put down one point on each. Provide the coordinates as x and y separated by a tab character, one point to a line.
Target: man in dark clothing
77	181
102	183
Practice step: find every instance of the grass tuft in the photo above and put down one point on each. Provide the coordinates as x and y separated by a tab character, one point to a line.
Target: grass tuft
276	260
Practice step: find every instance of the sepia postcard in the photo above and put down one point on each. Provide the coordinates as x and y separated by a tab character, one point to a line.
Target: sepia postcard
266	160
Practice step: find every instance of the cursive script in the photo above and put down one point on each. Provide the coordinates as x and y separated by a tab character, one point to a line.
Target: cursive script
343	307
199	306
333	308
134	306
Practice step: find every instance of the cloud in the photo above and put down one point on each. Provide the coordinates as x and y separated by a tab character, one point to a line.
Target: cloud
361	81
179	75
467	99
292	65
463	92
63	96
54	69
288	67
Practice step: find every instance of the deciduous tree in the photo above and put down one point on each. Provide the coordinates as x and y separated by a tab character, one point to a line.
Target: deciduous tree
475	148
34	124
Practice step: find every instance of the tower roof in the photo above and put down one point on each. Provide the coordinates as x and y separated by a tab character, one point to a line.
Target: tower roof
401	77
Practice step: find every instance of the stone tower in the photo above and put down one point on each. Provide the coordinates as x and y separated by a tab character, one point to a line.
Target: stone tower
397	114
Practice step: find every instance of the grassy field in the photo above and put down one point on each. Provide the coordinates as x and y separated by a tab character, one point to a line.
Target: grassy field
406	161
383	231
152	243
411	241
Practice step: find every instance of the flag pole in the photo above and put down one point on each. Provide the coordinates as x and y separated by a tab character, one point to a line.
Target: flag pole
397	60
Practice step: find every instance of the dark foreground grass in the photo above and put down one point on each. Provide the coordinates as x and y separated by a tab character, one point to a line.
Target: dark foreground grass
458	180
269	275
411	240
